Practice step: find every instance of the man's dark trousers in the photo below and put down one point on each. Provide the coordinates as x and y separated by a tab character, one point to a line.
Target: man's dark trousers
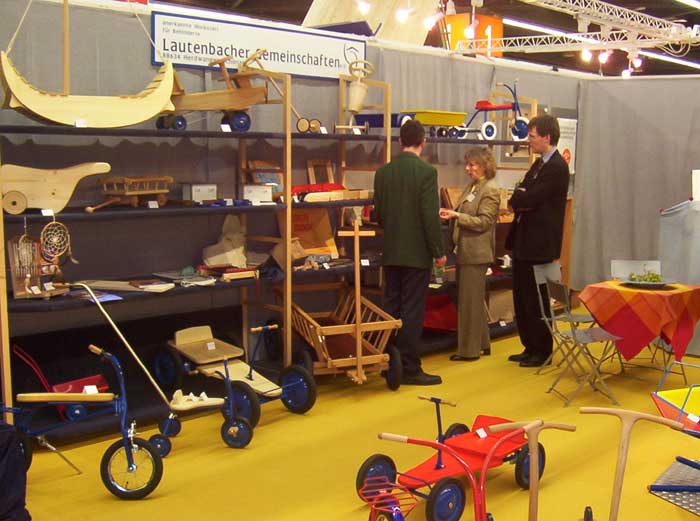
405	292
534	334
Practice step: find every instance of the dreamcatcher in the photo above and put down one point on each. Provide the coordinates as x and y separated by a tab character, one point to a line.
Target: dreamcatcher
55	241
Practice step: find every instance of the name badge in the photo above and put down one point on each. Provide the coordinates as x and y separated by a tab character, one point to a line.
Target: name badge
470	198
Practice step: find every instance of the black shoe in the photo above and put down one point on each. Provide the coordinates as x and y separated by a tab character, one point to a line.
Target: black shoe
421	378
519	358
460	358
486	352
535	361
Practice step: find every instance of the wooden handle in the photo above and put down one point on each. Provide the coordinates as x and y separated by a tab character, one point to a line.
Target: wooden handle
109	202
392	437
443	402
95	349
263	328
624	414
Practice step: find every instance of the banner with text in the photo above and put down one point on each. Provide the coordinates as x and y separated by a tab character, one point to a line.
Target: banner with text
195	42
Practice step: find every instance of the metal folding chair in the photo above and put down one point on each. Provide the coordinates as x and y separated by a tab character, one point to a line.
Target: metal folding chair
562	344
580	356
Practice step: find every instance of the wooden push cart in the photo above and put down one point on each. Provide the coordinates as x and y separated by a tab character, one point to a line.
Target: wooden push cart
351	339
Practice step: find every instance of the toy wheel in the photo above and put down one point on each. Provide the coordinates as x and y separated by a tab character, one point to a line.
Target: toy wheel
489	130
14	202
455	430
240	121
168	368
272	338
170	426
522	465
161	443
25	446
76	412
489	516
453	132
298	389
245	403
304	358
445	501
160	123
519	129
588	514
315	126
394	374
139	480
462	133
375	466
442	132
403	118
432	132
178	123
236	433
303	125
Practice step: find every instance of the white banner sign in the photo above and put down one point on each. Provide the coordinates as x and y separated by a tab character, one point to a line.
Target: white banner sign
194	42
567	142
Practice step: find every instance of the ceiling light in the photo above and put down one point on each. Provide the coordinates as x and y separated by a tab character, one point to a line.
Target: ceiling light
670	59
604	56
637	62
627	73
402	15
586	55
430	21
450	8
546	30
470	32
691	3
363	7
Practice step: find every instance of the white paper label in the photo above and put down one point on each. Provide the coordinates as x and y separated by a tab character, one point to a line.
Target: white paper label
481	433
35	290
90	389
502	323
295	199
326	265
47	212
225	127
211	346
364	262
153	204
357	131
323	130
693	418
81	123
48	286
228	202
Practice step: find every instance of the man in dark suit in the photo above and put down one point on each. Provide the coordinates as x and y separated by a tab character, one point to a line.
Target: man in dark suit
407	206
535	236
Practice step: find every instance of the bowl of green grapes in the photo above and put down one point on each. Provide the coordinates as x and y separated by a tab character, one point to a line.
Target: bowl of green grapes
646	280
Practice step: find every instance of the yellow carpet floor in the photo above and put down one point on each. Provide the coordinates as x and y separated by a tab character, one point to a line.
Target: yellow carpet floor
304	467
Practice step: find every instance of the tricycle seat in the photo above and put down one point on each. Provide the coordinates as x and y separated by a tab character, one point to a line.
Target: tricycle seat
64	397
199	345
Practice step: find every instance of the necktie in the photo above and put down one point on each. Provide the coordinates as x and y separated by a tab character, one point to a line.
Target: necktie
537	167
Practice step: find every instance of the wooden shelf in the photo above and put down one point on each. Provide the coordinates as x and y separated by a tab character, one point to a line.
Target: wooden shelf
335	204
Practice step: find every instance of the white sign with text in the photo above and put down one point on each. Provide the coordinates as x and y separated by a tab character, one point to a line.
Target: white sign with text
195	42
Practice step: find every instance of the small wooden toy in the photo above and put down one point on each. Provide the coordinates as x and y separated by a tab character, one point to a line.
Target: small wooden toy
133	190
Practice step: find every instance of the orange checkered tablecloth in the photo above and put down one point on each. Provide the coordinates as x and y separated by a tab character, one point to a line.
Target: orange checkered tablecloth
640	315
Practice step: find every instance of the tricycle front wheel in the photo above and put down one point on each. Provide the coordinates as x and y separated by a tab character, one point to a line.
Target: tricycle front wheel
446	501
522	465
376	465
135	482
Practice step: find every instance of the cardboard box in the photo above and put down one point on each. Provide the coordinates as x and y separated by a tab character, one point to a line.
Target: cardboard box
258	194
199	192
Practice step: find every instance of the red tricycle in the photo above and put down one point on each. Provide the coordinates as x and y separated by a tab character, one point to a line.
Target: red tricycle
459	452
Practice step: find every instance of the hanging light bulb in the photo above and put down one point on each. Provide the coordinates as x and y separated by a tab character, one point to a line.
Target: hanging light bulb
627	73
604	56
586	55
637	62
450	8
363	7
402	16
470	32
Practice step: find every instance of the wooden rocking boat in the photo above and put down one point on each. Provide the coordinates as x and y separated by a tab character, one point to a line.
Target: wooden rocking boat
88	111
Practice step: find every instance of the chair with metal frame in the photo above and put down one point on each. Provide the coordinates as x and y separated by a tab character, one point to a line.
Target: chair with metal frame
552	271
581	354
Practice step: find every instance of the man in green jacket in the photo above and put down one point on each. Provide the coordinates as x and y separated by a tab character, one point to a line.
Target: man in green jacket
407	206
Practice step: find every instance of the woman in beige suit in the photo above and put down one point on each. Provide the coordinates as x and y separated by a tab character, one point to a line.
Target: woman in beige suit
474	238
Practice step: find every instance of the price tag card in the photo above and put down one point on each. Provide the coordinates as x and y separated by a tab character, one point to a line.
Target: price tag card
295	199
90	389
35	290
228	202
693	418
47	212
326	265
153	204
211	346
323	130
481	433
48	286
364	262
502	323
357	131
81	123
225	127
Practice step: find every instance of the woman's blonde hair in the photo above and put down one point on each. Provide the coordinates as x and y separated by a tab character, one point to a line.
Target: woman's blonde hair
484	158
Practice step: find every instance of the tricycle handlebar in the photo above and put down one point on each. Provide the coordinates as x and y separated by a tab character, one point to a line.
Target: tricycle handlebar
392	437
632	416
93	348
440	400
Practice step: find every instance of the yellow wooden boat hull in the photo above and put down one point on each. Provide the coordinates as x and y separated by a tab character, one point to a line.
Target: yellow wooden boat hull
440	118
87	111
